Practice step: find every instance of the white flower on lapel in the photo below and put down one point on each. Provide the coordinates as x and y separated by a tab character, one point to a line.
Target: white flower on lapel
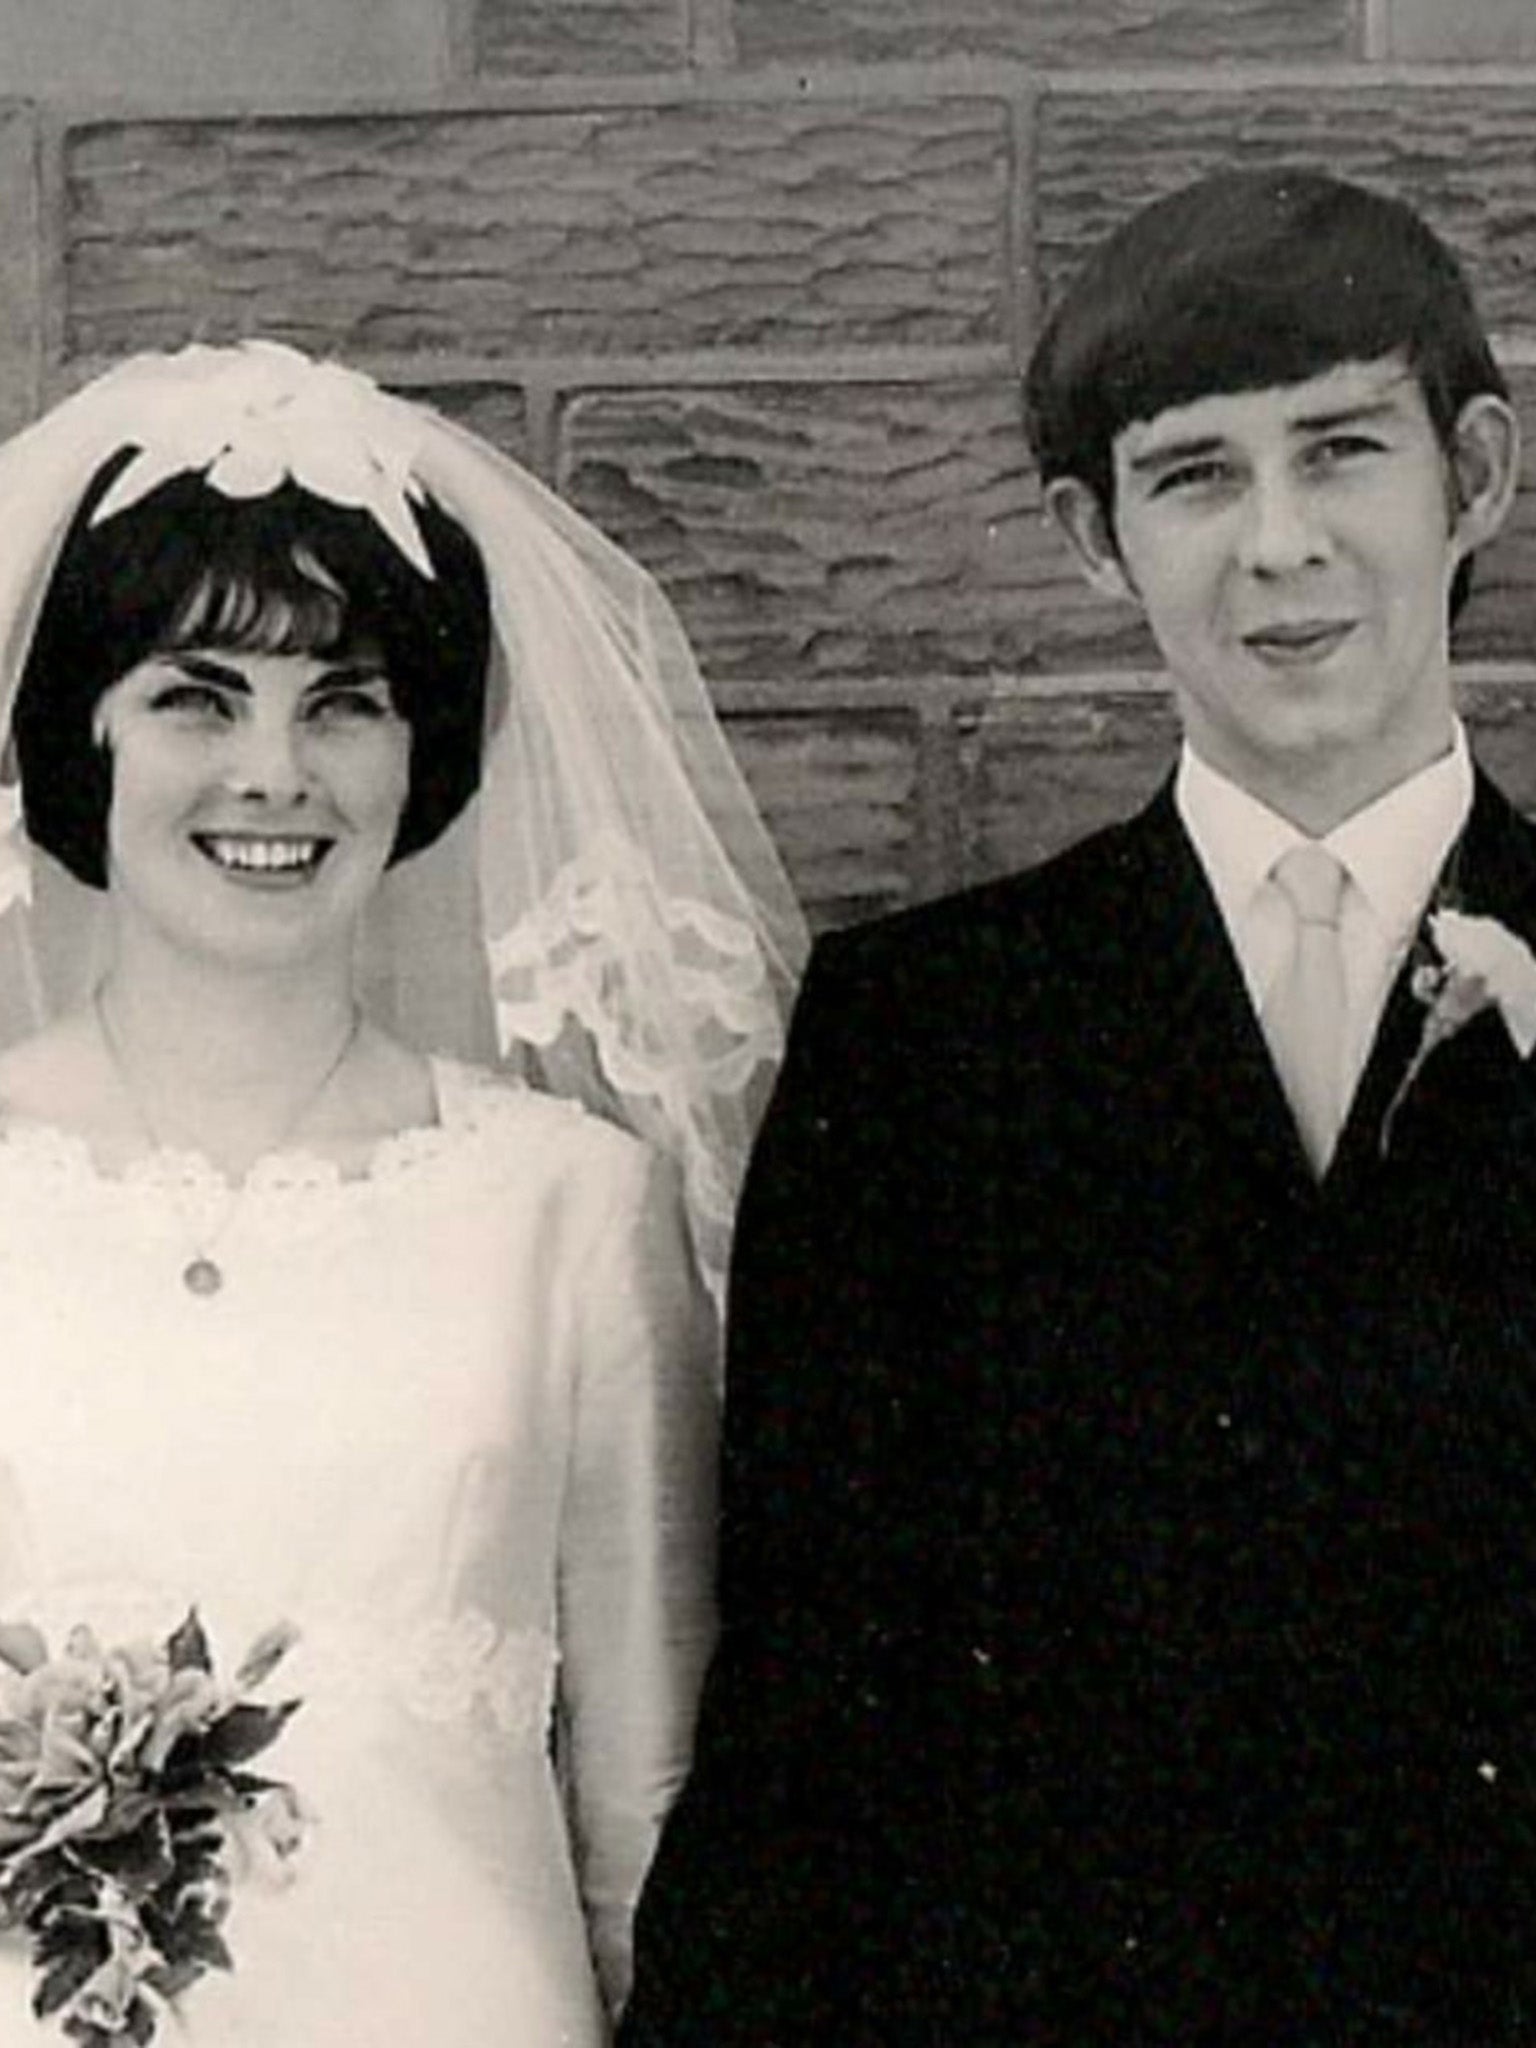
1480	964
1479	953
251	416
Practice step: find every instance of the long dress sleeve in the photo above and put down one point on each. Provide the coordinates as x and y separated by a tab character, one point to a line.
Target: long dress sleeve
636	1609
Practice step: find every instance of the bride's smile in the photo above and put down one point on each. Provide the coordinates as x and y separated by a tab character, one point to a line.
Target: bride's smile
258	856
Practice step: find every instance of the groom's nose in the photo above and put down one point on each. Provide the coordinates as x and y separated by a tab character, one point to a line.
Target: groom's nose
1282	529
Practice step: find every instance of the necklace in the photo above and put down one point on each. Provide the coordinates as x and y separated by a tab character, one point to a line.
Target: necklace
202	1275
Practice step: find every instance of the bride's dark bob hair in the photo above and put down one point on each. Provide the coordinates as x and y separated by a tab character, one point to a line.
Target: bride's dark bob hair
288	573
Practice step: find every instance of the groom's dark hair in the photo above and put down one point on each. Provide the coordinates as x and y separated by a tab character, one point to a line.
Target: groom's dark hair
288	573
1241	281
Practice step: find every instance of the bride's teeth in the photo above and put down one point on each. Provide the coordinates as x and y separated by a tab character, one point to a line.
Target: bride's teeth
265	855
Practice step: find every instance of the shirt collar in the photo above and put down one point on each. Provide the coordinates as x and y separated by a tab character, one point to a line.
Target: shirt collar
1393	849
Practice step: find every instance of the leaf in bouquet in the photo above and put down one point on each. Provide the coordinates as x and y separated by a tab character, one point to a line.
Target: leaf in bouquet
265	1654
138	2027
249	1785
202	1884
138	1859
71	1949
39	1892
75	1820
189	1705
72	1965
130	1803
188	1647
245	1731
190	1941
199	1883
171	1981
199	1861
194	1821
22	1646
88	2035
64	1891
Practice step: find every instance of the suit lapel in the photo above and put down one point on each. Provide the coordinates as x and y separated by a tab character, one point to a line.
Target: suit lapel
1196	1021
1491	873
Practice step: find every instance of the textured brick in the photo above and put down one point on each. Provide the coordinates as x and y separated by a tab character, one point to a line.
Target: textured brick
164	50
1490	28
1499	618
499	412
1502	718
1040	771
523	38
839	791
21	304
827	530
1461	153
868	31
621	228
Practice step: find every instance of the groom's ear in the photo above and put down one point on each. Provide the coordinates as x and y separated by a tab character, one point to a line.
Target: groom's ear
1076	510
1485	461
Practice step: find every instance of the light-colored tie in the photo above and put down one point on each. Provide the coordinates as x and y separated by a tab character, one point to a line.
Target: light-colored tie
1304	1013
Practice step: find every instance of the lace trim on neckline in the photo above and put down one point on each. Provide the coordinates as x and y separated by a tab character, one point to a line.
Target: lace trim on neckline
471	1102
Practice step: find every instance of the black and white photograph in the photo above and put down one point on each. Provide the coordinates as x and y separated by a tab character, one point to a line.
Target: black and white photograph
767	1007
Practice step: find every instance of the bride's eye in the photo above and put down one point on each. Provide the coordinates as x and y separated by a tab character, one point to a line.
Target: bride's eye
192	700
349	704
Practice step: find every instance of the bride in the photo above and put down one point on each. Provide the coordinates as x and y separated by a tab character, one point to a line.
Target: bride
352	766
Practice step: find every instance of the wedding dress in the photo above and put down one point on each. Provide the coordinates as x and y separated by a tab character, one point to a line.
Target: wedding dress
449	1419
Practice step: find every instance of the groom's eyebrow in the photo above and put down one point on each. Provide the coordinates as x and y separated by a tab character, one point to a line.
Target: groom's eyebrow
1190	450
1368	412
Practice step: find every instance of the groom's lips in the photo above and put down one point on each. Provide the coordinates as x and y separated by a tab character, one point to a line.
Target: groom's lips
1298	642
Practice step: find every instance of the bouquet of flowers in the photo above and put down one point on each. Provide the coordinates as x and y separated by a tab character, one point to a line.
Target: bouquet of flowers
126	1807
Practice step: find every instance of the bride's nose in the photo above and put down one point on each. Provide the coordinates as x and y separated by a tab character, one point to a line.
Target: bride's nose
265	762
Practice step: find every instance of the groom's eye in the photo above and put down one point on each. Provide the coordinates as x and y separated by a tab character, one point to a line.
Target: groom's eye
1205	472
1335	449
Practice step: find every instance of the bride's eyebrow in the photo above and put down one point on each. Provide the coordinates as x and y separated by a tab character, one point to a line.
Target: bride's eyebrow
350	675
201	668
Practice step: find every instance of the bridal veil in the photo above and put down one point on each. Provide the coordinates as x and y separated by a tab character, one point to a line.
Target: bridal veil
609	913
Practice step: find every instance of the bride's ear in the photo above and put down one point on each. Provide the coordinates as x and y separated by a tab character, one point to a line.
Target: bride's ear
1078	514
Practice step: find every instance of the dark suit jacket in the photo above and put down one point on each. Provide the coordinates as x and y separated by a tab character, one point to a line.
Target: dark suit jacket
1130	1544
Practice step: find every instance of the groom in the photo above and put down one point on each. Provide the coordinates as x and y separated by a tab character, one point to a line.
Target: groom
1130	1529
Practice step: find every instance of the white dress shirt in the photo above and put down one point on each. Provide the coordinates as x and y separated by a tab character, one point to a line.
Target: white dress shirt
1392	852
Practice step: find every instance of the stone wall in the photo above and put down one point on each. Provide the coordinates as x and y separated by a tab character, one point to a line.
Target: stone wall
752	281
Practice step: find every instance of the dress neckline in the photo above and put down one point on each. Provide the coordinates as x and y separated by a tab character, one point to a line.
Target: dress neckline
456	1090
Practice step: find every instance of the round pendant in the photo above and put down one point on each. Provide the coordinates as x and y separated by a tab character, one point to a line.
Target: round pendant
202	1276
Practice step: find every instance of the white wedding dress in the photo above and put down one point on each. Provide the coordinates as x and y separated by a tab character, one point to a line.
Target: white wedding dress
453	1420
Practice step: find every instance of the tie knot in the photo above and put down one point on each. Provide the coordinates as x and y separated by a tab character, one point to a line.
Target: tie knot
1313	881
